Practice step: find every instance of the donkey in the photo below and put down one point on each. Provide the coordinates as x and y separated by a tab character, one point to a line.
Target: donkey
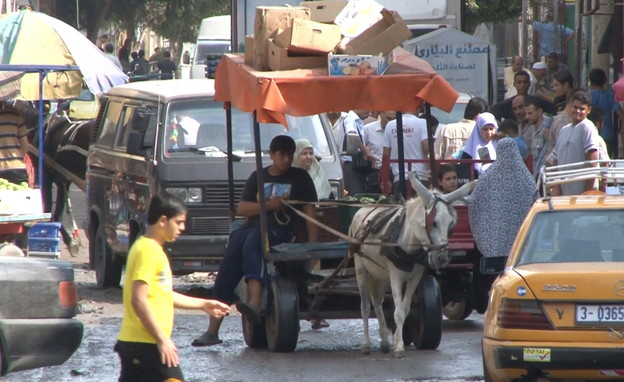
420	230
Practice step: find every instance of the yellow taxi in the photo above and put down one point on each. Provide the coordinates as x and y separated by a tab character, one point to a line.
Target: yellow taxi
556	311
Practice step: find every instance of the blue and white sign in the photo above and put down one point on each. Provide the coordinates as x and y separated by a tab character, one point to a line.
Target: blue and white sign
521	291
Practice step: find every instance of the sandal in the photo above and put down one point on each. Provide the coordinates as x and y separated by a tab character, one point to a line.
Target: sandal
319	323
250	312
206	339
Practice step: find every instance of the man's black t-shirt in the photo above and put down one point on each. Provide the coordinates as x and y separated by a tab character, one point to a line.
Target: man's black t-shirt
294	184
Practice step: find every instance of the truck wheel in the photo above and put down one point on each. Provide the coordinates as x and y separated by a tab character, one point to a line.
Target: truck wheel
282	320
107	269
457	310
428	322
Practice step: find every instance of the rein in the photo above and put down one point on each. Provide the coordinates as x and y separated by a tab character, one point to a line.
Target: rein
348	238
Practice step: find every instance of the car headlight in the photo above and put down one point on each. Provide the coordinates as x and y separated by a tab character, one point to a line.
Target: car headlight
188	195
194	195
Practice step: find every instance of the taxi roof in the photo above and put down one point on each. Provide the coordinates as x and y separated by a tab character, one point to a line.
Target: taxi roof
580	202
165	90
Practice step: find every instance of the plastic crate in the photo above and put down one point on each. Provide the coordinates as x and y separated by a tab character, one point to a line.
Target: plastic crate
50	230
43	244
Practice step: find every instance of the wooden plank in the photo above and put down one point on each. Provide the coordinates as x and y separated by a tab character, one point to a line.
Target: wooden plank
50	162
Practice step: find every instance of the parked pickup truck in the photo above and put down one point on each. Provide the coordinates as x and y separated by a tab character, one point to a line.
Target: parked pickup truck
38	327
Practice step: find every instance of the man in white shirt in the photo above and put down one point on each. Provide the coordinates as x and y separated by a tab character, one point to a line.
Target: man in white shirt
373	140
415	146
510	72
577	142
352	124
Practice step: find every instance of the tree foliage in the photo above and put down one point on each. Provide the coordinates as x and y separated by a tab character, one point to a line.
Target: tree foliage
178	20
487	11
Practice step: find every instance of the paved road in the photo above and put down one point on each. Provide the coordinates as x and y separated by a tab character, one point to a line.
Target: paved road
331	354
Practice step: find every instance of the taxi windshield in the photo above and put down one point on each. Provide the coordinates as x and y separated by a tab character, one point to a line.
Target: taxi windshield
574	236
197	127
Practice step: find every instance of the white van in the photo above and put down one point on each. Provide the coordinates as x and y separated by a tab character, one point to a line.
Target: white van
213	40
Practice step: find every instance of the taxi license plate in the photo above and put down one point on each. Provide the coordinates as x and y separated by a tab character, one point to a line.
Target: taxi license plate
600	313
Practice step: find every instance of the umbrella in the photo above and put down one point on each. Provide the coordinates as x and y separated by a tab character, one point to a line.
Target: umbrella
34	38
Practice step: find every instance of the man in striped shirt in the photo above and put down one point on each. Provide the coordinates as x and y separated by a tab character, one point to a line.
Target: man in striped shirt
13	145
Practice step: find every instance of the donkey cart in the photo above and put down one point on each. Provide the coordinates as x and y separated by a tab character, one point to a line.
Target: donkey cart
294	293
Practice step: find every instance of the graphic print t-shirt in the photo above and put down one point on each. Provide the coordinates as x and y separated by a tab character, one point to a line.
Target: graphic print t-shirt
294	184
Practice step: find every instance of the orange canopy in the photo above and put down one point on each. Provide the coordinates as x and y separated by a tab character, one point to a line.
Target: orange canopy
311	91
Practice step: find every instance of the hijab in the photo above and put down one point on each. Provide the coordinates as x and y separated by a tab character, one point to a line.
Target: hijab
501	200
323	189
475	141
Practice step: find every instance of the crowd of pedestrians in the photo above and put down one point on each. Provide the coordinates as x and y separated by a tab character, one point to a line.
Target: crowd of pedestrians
134	63
551	118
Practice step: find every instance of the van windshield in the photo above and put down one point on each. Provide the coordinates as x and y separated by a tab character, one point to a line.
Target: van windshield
197	127
213	48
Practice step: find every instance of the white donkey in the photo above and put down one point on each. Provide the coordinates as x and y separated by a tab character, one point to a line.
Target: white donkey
420	230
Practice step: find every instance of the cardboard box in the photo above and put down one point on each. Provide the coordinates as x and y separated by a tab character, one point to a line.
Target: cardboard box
268	21
324	11
309	37
279	59
249	49
357	16
23	202
357	65
380	38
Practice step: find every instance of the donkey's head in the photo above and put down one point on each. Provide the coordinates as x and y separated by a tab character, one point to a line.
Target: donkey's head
430	219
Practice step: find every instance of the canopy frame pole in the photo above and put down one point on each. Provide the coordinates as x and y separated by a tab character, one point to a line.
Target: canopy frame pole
430	138
400	153
230	159
264	231
42	74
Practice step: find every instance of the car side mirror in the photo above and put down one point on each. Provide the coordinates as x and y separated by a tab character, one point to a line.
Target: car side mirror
492	265
141	119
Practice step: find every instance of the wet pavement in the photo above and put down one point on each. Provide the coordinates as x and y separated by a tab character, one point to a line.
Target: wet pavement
330	354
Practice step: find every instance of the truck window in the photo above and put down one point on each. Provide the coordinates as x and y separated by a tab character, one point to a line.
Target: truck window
122	133
109	124
198	127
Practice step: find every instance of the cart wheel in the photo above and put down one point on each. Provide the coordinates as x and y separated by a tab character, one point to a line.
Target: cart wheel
107	270
255	335
458	310
427	322
282	320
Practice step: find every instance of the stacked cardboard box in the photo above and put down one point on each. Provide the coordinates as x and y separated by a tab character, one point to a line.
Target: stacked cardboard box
349	38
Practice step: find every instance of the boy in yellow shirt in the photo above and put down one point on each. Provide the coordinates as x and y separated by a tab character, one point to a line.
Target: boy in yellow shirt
144	344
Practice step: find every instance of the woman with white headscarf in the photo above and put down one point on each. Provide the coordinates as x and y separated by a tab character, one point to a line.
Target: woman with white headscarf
304	158
481	144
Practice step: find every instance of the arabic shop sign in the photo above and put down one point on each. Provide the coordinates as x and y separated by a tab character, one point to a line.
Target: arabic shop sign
464	66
